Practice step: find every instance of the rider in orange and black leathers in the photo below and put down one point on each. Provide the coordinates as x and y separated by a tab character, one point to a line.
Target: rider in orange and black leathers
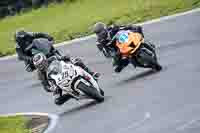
105	36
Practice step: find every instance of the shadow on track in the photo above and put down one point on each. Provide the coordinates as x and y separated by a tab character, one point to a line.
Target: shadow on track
36	84
79	108
178	44
82	107
136	77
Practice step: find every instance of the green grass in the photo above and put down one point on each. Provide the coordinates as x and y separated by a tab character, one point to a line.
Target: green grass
13	125
73	18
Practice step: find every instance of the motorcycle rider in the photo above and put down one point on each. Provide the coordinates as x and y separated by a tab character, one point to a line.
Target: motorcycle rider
105	36
42	64
24	39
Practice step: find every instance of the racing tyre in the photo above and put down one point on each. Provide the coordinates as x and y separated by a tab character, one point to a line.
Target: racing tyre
158	67
91	92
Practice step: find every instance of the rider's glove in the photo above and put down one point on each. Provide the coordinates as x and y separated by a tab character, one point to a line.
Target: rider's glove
65	58
53	88
50	38
29	68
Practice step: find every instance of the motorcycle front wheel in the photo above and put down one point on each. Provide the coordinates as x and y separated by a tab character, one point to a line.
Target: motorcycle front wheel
91	92
152	62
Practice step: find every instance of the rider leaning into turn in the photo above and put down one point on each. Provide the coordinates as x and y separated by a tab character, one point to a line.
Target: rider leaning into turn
105	36
42	64
24	39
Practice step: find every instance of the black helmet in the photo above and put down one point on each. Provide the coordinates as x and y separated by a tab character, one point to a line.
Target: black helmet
20	35
100	29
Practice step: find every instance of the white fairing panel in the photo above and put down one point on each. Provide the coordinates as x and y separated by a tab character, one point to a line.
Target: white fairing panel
66	74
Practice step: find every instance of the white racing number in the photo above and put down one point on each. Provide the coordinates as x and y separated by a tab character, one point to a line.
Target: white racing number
68	74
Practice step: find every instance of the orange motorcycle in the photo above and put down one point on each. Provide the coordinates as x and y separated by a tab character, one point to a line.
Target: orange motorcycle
133	49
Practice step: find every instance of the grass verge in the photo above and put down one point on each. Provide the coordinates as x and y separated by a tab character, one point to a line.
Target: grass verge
16	124
73	18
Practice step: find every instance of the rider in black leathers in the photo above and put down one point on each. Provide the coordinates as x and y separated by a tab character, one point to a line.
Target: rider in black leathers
105	36
24	39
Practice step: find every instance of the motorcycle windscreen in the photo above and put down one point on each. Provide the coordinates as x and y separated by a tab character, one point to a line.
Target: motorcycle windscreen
54	68
41	45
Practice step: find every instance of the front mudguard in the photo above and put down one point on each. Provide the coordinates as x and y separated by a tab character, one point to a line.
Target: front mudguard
84	75
89	88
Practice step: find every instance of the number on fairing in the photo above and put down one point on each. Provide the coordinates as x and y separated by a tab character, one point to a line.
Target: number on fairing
123	38
64	75
69	72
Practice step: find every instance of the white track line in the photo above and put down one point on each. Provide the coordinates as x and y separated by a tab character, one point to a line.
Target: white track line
187	124
53	118
136	124
143	23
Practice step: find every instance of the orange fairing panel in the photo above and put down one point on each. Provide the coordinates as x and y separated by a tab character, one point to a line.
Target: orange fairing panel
134	39
124	48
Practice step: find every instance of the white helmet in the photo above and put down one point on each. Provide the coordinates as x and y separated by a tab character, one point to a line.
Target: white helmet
40	61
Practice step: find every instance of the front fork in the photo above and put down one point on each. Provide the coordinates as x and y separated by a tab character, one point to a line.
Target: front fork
149	46
146	57
145	50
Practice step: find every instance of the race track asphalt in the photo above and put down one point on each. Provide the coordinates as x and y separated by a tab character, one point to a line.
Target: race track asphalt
137	100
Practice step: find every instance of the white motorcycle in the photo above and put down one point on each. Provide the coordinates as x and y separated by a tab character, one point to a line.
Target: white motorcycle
74	80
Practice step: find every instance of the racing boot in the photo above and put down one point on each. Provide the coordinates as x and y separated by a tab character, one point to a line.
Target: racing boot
120	64
59	98
118	69
116	63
